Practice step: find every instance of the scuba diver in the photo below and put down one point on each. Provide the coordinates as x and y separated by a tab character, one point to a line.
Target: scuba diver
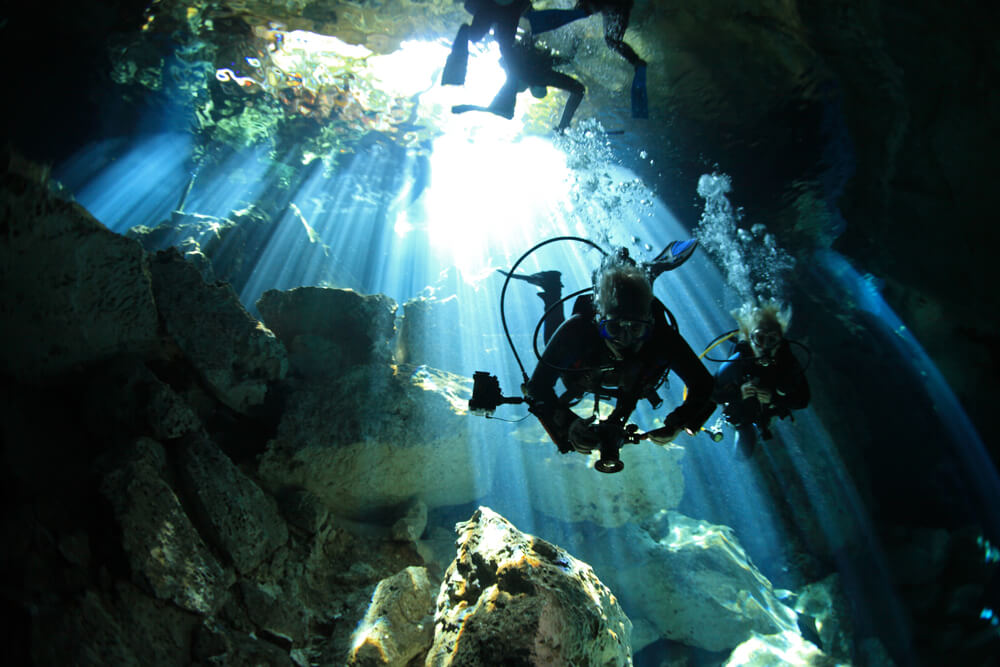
617	344
762	378
501	15
616	19
529	67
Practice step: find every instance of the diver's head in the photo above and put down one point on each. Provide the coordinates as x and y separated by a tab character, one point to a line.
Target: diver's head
539	91
763	327
623	300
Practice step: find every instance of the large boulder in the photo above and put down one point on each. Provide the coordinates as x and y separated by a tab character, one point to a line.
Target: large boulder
327	330
72	292
426	333
513	599
235	513
233	354
399	624
376	437
567	487
166	553
697	585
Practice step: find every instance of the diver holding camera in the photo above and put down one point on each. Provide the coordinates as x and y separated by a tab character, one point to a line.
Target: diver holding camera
617	345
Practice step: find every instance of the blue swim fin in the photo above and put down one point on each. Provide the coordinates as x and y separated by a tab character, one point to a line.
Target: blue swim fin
640	101
672	257
544	20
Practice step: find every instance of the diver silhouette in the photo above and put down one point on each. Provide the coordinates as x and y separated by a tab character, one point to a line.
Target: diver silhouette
501	15
616	15
530	67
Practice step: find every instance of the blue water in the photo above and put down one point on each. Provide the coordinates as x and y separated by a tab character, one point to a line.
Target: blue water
439	225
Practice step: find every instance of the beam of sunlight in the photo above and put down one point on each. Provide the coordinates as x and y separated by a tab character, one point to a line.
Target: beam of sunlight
126	186
976	463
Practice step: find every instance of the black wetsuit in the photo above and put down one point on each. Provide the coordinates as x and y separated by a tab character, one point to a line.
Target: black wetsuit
616	18
502	18
528	66
783	376
577	344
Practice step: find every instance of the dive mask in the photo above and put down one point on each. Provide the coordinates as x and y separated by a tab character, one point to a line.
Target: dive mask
617	328
765	339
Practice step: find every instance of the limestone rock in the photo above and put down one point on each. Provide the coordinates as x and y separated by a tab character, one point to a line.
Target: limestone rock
302	509
826	602
786	648
425	335
73	292
411	526
275	610
694	581
326	330
567	487
513	599
117	627
399	624
164	548
375	438
217	644
233	353
238	516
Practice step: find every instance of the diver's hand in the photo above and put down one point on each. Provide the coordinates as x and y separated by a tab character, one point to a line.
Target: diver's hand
751	390
664	435
764	396
582	436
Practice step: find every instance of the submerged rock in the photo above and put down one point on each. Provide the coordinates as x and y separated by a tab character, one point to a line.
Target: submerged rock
233	353
236	514
399	624
567	487
697	585
165	551
327	330
374	438
513	599
74	292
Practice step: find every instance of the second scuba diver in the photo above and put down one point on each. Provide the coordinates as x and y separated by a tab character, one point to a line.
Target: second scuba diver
762	379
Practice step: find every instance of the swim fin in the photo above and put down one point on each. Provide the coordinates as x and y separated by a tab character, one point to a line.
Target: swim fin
672	257
458	62
544	20
640	100
549	281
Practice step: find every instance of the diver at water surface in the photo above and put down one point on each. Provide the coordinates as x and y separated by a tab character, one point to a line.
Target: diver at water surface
616	14
761	379
616	345
501	15
530	68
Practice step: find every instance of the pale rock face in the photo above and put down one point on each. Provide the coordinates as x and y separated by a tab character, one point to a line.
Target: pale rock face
510	598
695	583
374	437
567	487
399	624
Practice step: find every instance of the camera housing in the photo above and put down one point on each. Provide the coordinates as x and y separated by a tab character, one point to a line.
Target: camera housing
486	395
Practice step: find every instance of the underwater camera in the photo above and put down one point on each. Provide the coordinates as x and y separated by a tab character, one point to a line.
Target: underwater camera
486	395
